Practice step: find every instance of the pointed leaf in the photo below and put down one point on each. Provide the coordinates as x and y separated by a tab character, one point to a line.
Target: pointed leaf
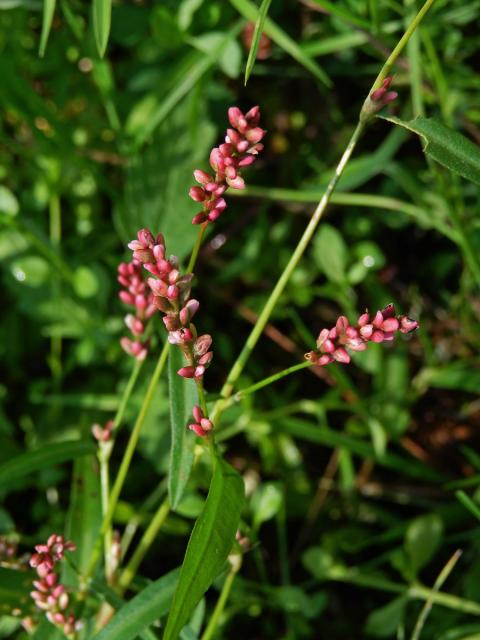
183	395
249	11
257	34
448	147
135	616
48	12
209	545
102	16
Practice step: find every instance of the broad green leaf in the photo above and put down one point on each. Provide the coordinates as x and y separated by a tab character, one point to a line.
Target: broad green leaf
159	176
383	622
48	11
249	11
257	34
15	587
422	539
448	147
231	59
42	458
84	514
209	545
266	502
8	202
183	395
146	607
330	253
102	17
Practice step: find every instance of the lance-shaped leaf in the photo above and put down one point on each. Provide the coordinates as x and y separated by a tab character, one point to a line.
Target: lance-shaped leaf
257	34
183	395
102	16
48	11
446	146
209	545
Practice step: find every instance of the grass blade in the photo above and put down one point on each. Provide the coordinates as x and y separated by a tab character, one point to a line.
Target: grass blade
183	395
209	545
257	34
249	11
48	12
102	17
43	458
468	503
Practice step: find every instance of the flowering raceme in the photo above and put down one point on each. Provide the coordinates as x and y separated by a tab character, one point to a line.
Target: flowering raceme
50	595
240	149
332	344
170	293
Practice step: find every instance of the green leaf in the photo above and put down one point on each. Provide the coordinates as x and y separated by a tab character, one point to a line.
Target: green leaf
48	11
151	603
231	59
158	178
468	503
462	374
102	17
209	545
448	147
183	395
257	34
249	11
42	458
383	622
422	539
331	253
266	503
84	515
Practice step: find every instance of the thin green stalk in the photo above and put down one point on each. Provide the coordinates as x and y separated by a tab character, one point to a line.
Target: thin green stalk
127	392
262	319
415	60
427	607
147	539
236	563
266	381
105	492
55	240
128	455
196	247
287	272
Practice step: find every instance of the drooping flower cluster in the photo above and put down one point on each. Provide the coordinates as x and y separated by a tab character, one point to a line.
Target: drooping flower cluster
136	294
50	595
202	424
240	149
171	295
332	344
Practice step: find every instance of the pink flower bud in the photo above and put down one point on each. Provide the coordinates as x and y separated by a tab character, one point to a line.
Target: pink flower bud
214	214
341	355
255	135
206	424
202	177
390	324
197	413
199	218
172	292
407	324
146	238
196	428
247	161
186	372
197	194
236	183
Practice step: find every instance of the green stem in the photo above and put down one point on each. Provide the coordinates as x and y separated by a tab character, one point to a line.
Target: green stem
128	455
427	607
105	493
127	392
287	272
222	599
144	545
196	247
55	240
266	381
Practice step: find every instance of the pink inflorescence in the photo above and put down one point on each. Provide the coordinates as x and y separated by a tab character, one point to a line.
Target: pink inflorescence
170	293
332	344
136	294
50	595
240	149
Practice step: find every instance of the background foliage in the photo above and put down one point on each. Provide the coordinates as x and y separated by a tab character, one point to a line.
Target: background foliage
351	472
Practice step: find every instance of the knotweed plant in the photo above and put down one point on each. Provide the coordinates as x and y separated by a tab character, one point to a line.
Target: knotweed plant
165	322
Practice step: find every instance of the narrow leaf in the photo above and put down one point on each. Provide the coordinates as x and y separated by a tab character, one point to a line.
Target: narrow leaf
102	16
146	607
209	545
257	34
183	395
43	458
249	11
48	12
468	503
446	146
